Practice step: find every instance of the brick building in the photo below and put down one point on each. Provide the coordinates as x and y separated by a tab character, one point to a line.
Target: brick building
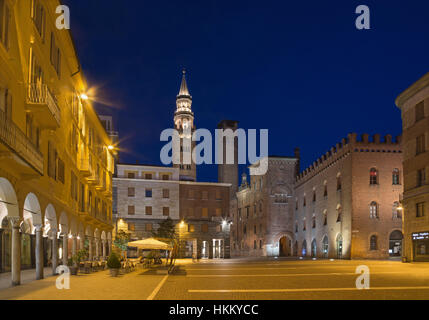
347	201
262	213
414	105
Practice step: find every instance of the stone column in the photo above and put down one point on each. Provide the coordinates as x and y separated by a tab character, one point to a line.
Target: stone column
54	251
39	252
74	245
82	243
104	248
97	247
65	249
90	248
109	247
16	250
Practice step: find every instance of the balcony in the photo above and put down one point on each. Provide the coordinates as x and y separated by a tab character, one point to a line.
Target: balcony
16	141
93	178
85	167
42	103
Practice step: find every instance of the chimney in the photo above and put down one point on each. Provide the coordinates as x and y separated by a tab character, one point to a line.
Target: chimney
376	138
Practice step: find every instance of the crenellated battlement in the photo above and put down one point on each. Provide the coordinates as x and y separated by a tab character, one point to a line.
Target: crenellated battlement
346	146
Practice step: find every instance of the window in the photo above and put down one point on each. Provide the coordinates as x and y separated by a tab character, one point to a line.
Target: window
254	229
254	244
131	227
304	225
165	177
131	175
340	214
165	211
373	243
339	186
314	196
148	227
55	55
296	226
39	17
247	212
420	144
396	213
395	177
148	211
373	176
61	171
165	193
420	209
5	17
148	193
52	160
73	186
205	228
191	228
205	195
191	194
218	212
205	212
148	176
313	222
373	210
244	229
325	217
420	111
190	212
131	192
218	195
421	177
304	202
260	244
131	210
325	191
5	103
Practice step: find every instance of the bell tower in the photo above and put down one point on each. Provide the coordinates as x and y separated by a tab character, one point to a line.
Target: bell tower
184	124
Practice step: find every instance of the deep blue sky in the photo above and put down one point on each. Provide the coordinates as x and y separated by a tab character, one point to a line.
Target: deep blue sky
299	68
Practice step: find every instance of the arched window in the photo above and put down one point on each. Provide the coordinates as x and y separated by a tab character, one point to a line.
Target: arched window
340	214
304	202
304	226
395	177
296	226
313	221
373	176
325	190
373	243
314	196
373	210
339	182
325	217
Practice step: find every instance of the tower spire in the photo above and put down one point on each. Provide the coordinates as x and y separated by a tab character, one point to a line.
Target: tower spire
184	92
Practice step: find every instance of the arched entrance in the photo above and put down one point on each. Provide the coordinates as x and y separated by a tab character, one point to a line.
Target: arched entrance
8	208
395	244
32	217
325	247
304	248
313	248
285	245
50	240
339	246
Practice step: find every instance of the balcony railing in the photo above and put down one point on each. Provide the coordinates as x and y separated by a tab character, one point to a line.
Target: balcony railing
41	101
17	141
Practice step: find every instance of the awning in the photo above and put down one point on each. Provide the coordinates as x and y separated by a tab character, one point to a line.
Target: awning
150	243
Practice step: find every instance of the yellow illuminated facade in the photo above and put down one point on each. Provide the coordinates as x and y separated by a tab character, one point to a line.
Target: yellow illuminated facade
56	166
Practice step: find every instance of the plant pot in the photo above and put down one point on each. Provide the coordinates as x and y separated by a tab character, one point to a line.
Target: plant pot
114	272
73	270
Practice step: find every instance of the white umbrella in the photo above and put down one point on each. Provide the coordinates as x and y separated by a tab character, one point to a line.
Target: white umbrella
150	243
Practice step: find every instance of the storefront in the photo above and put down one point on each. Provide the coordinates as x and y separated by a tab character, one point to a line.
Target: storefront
421	246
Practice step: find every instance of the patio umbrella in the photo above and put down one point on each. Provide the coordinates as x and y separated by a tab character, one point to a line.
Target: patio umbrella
150	243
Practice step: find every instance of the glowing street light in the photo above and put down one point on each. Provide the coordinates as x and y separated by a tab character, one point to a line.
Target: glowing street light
83	96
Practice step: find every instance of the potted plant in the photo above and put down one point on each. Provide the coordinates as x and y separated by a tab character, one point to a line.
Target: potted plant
114	264
73	266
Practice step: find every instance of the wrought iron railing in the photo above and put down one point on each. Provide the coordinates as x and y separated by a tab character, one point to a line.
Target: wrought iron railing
40	94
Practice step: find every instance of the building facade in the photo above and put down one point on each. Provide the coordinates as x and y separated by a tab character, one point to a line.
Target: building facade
262	212
144	196
56	167
347	201
414	105
205	225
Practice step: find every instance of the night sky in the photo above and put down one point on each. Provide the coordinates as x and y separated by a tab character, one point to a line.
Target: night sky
298	68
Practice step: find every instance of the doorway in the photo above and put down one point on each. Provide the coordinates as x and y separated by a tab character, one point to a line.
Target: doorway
395	244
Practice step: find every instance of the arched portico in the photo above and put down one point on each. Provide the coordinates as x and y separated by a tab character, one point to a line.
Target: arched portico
51	233
32	230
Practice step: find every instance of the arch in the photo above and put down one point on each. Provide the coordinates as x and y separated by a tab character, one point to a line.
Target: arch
103	235
373	210
395	243
325	246
32	215
313	248
73	227
88	231
339	246
304	248
50	222
8	200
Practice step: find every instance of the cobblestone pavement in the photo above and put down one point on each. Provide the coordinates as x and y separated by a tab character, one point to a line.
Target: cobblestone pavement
243	279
